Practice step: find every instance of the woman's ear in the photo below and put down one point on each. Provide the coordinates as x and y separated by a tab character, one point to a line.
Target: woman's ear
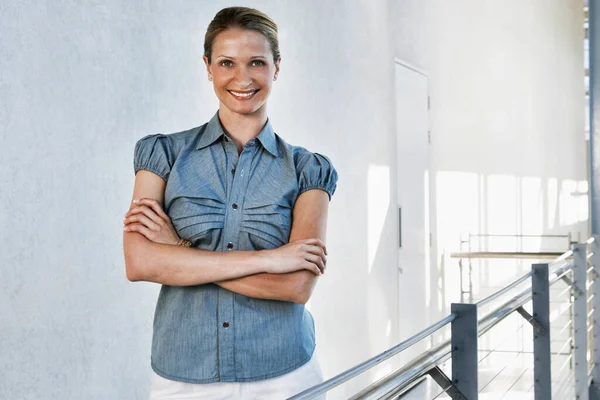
207	67
276	69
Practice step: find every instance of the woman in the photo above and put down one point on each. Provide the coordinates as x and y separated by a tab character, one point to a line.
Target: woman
231	220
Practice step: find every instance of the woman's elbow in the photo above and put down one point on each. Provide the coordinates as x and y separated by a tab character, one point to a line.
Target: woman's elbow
135	267
301	298
304	288
132	270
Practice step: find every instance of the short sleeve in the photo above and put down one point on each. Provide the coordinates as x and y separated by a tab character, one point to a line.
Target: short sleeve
153	153
315	171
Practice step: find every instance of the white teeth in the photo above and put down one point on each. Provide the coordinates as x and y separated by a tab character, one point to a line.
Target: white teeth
242	94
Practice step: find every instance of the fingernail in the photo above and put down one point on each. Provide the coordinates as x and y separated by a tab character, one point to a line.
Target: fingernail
135	200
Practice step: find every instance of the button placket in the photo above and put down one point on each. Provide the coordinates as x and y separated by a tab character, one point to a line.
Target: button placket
236	198
226	298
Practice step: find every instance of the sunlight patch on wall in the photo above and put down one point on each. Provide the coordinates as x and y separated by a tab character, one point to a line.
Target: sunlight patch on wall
532	209
573	202
457	206
502	204
582	201
378	202
552	193
458	209
568	203
388	328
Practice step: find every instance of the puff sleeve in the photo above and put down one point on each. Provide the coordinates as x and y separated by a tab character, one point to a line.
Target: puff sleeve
153	153
315	171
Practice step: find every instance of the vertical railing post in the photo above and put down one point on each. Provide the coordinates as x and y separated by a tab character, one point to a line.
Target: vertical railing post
464	349
541	337
595	261
580	321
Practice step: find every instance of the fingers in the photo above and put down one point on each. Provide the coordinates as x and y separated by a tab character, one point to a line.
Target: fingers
140	229
153	204
142	219
315	252
145	213
312	268
314	242
316	260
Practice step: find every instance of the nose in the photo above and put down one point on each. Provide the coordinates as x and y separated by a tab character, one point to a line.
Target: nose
243	77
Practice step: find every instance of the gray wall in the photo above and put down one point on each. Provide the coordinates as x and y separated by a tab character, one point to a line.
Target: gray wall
80	82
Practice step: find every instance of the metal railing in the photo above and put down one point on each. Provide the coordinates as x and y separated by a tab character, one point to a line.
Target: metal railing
471	249
575	268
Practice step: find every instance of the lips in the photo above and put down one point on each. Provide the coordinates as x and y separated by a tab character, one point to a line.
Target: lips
243	95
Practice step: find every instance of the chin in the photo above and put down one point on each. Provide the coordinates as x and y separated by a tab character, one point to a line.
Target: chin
246	109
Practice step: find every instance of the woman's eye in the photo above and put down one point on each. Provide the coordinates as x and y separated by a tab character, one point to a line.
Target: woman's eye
257	63
226	63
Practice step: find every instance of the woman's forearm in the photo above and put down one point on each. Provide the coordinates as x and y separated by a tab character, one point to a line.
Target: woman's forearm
184	266
310	221
296	286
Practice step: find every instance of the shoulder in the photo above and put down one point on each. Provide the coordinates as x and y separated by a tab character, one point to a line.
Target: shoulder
313	170
174	141
300	155
157	152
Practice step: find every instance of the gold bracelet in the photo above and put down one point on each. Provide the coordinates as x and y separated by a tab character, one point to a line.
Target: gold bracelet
184	243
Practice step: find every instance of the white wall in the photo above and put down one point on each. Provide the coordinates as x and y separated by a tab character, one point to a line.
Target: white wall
81	82
508	153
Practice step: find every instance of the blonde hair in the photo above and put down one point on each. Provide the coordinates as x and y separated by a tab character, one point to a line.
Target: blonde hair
243	18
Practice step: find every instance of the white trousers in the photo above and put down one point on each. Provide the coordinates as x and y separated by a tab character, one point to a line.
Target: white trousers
278	388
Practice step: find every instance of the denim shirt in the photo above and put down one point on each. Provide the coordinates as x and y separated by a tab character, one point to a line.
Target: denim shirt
222	201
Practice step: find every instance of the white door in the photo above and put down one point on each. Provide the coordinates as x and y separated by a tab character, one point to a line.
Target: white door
412	133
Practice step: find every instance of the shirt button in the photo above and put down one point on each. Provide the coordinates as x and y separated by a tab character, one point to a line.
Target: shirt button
233	171
235	206
230	245
225	324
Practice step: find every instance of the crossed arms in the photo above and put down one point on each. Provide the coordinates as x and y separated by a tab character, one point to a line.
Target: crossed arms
289	273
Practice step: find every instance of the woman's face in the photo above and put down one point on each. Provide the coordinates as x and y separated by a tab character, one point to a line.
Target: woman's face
242	70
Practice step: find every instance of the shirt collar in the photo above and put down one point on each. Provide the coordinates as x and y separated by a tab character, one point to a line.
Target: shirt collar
214	130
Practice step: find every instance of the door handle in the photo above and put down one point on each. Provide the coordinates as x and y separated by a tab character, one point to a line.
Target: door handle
400	227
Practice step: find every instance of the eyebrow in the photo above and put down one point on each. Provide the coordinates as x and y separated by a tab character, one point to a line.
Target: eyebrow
233	58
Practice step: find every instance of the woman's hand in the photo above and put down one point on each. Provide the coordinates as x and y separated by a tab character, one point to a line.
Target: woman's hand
301	254
147	217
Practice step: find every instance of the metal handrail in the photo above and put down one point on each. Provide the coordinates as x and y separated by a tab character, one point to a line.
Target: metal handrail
563	257
560	272
495	316
499	313
409	373
505	289
506	254
362	367
418	367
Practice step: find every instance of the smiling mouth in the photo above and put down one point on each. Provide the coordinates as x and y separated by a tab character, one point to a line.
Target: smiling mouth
243	95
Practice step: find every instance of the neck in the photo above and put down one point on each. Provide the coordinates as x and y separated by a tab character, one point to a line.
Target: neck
242	127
